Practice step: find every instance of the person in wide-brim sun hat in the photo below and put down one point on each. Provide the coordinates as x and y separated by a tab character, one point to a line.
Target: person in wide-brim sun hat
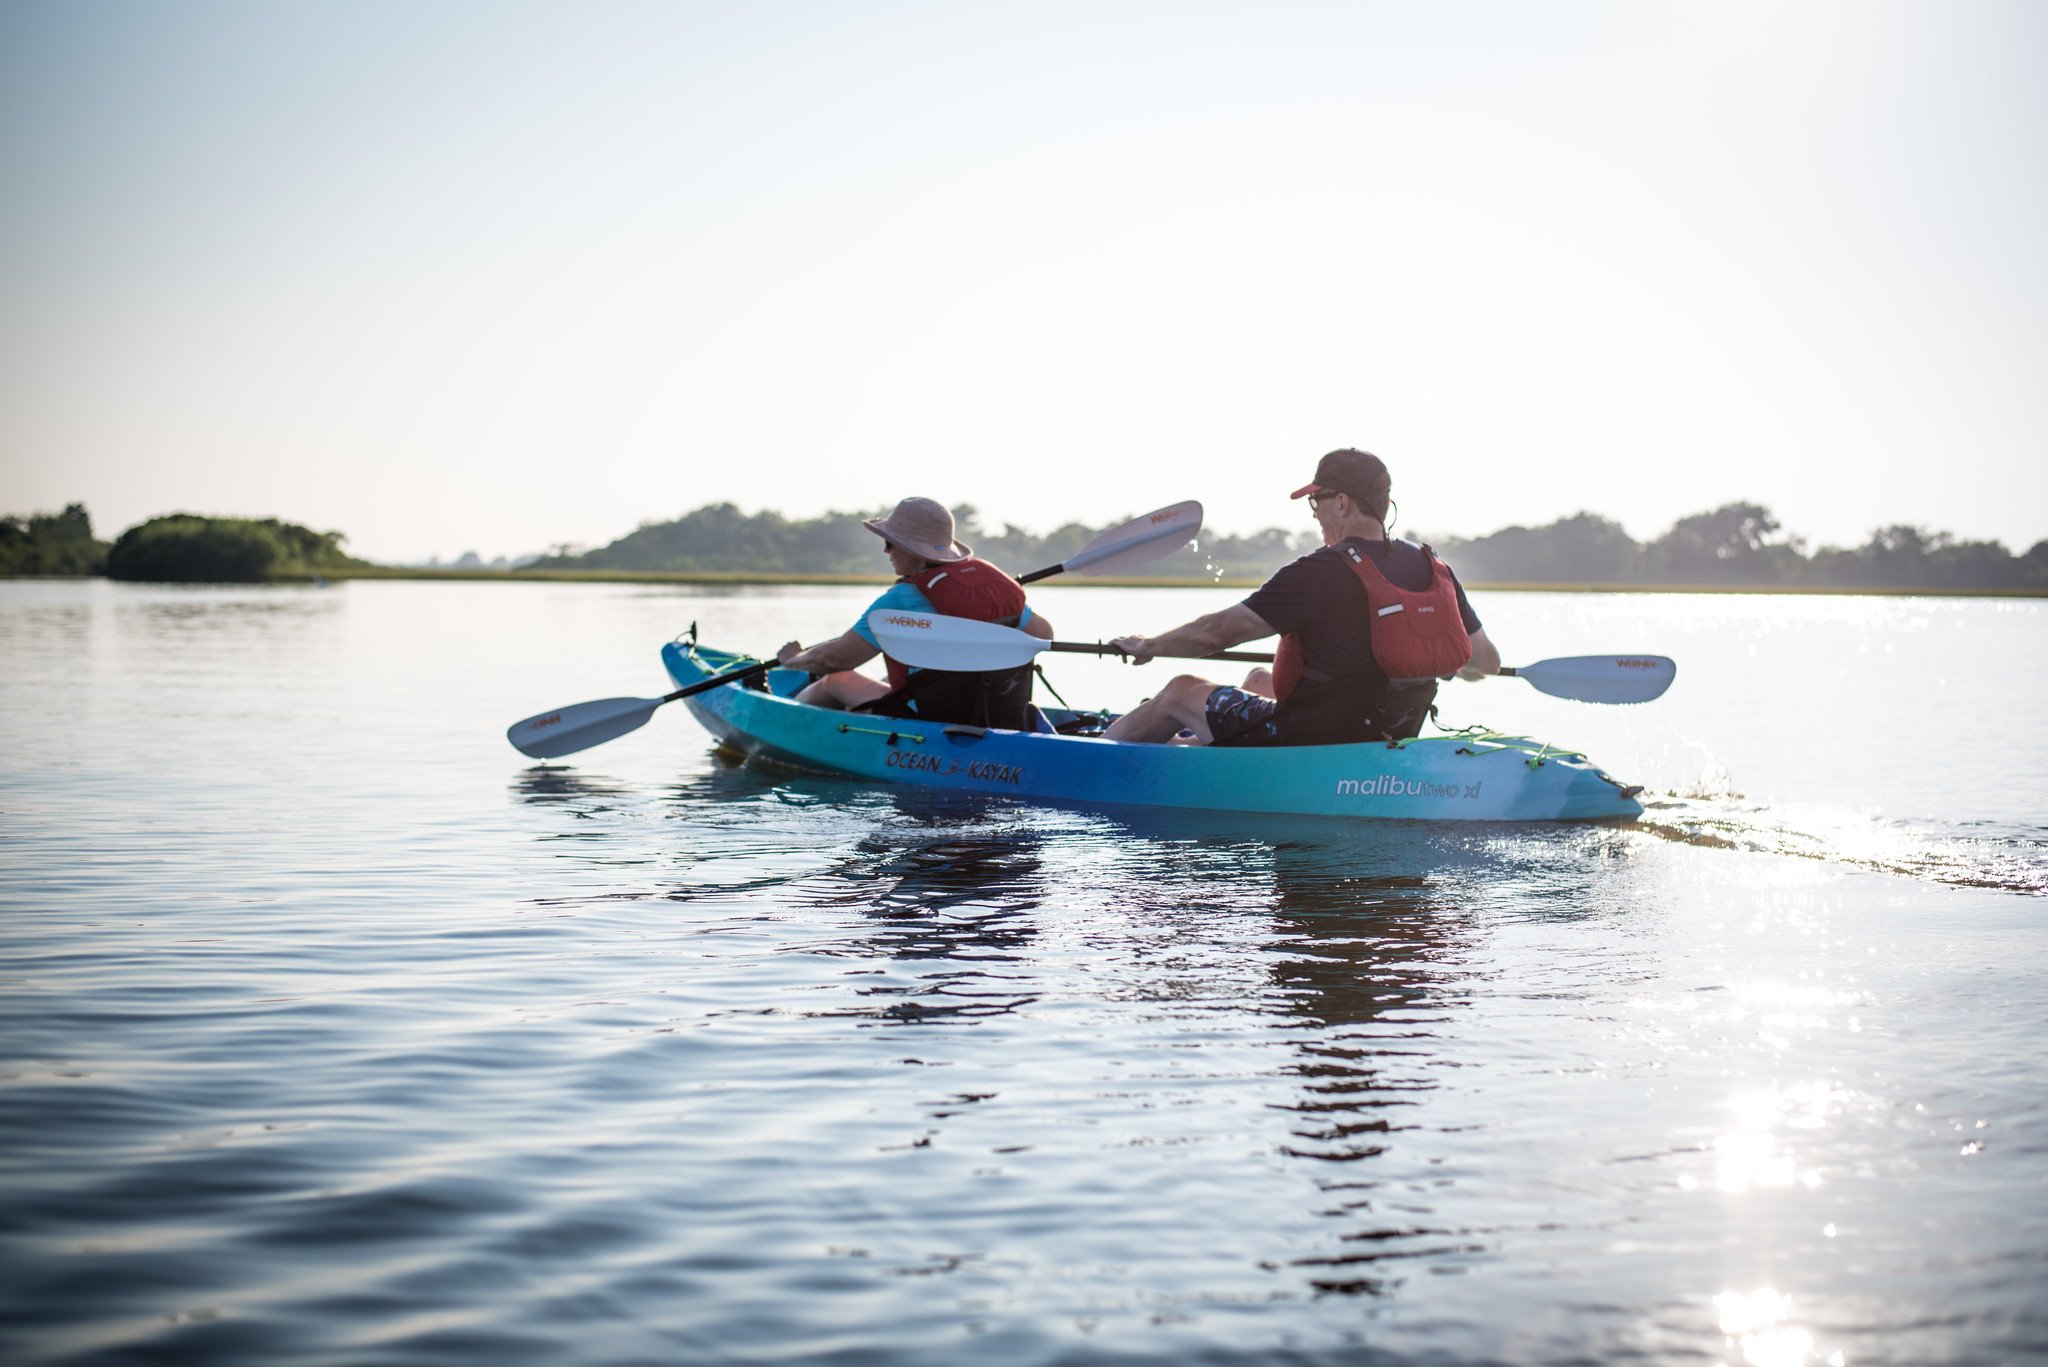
923	526
936	573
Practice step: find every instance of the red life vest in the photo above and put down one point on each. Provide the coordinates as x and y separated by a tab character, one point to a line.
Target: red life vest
1416	634
963	588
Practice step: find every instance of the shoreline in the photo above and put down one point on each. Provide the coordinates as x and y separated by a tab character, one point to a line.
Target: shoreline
755	579
760	578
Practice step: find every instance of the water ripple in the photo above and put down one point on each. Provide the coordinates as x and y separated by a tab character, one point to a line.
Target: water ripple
329	1036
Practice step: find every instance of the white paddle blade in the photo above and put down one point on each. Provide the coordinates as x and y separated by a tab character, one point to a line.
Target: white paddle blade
1603	678
1140	541
564	731
930	641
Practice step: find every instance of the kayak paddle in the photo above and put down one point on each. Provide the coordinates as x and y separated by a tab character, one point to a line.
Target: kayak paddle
1137	542
930	641
564	731
1600	678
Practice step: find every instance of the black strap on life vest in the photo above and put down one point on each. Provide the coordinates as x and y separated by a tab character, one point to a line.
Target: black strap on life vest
997	697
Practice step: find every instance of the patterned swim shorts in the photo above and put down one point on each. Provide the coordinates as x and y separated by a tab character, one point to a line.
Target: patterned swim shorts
1239	718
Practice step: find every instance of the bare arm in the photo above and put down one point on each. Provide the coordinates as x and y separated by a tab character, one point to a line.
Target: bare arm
848	651
1204	636
1039	627
1485	658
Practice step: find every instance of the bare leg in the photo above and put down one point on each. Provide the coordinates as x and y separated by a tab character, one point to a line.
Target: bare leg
1260	681
1181	705
843	690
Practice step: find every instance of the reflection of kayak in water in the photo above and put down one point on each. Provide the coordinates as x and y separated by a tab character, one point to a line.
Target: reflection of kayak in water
1468	777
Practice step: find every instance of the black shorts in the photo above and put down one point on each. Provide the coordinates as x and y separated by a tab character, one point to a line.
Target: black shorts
1236	717
1239	718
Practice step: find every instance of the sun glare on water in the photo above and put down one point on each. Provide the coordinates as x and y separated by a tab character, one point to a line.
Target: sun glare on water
1752	1323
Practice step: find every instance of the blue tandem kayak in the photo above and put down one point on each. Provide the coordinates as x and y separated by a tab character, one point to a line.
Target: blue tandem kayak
1460	777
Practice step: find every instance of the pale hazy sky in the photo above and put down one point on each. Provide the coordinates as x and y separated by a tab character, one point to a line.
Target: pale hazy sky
493	276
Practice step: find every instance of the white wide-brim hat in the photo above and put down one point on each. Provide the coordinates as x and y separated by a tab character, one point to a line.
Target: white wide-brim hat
923	527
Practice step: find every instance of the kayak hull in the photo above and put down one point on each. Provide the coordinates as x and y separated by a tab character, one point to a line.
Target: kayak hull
1440	778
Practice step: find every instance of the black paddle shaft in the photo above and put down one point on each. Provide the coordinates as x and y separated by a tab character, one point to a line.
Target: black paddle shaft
1089	648
731	675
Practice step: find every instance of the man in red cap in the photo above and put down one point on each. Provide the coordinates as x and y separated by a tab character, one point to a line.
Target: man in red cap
1367	624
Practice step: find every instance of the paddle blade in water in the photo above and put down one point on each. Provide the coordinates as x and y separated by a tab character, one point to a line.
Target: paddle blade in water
932	641
566	730
1602	678
1139	541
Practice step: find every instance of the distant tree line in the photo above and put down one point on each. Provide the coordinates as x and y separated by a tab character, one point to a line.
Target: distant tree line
1738	545
179	548
51	543
721	537
470	560
187	548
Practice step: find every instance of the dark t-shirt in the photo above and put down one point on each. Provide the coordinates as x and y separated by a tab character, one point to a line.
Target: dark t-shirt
1344	694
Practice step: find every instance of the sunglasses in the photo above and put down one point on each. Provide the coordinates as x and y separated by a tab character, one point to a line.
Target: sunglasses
1321	494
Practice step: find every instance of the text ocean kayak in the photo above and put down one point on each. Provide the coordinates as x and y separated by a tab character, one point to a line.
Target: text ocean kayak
1457	777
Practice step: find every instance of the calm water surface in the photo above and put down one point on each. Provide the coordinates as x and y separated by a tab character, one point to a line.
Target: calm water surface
333	1032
